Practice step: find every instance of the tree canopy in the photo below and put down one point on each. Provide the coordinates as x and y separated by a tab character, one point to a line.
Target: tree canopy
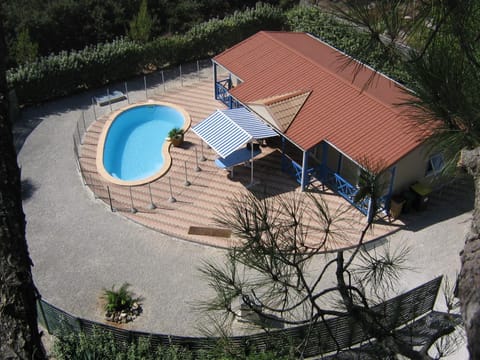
63	25
19	335
271	274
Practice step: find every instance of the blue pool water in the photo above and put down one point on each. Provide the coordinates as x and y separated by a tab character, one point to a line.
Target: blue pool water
134	142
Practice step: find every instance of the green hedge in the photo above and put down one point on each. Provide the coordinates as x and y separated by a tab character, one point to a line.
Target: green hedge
69	345
69	72
65	73
214	36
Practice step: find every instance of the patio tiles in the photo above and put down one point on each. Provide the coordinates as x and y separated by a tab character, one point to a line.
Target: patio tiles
210	188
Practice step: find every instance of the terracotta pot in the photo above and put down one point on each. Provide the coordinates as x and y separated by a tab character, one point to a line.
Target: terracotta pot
177	140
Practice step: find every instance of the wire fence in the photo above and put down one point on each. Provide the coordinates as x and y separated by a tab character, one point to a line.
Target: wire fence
322	337
139	198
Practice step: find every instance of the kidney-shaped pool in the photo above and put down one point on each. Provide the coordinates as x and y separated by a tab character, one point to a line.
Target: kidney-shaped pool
133	149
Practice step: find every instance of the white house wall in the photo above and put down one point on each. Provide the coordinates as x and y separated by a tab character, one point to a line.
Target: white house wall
410	169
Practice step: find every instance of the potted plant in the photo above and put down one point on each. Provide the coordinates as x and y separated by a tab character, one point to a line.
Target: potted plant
176	136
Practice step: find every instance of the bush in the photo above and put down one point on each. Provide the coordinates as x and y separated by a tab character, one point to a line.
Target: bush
175	132
69	72
102	345
119	300
214	36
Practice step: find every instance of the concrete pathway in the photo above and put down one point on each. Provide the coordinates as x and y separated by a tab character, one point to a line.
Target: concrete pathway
79	247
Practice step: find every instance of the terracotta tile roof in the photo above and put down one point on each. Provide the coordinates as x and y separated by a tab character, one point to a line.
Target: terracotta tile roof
363	122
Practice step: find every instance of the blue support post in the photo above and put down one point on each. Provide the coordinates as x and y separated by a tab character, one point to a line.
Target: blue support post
305	179
393	170
230	100
215	81
283	155
323	172
339	164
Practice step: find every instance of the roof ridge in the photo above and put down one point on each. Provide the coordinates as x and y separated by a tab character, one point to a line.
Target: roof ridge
390	106
271	104
226	51
281	97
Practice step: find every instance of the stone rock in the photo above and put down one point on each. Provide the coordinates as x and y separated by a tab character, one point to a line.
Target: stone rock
124	316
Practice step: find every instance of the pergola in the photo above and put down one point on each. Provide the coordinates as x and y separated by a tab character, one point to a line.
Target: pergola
227	131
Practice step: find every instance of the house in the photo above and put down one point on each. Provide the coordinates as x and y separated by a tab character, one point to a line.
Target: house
332	125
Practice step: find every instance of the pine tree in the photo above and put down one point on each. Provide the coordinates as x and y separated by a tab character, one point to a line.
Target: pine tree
19	335
141	25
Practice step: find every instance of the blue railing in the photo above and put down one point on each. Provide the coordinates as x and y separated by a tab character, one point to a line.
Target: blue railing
222	93
348	192
295	170
333	181
345	189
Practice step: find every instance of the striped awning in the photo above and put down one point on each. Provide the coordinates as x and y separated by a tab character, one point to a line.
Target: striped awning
227	130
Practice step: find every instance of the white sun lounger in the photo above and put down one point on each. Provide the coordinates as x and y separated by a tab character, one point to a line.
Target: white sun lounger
114	97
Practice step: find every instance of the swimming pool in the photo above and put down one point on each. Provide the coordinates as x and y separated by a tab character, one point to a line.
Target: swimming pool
132	149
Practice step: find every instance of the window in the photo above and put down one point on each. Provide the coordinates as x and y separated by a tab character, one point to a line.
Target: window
317	154
435	165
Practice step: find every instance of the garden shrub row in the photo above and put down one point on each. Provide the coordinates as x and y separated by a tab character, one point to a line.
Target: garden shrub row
99	344
65	73
68	72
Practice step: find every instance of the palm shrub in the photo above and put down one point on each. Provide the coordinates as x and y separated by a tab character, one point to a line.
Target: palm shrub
119	300
25	49
175	132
